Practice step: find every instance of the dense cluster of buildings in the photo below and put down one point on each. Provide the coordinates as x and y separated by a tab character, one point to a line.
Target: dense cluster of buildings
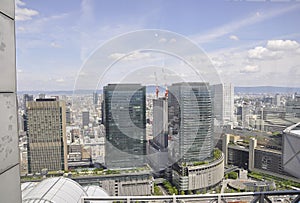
132	137
173	135
180	146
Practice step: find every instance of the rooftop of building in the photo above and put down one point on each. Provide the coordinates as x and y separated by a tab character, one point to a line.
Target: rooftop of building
123	86
58	189
294	130
88	172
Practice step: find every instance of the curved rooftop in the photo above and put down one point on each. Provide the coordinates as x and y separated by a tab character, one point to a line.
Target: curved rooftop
93	191
54	190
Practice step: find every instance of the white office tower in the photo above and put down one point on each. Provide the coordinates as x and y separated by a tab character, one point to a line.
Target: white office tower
158	154
223	102
10	190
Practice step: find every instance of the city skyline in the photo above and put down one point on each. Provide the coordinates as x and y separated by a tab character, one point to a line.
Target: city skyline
250	44
110	144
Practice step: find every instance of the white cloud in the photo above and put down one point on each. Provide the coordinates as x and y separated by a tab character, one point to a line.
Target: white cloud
236	25
250	69
162	40
23	14
274	49
282	45
233	37
235	65
173	40
55	45
60	80
20	3
116	56
263	53
130	56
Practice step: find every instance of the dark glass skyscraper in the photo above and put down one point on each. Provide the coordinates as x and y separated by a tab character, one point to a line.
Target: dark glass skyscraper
190	115
125	125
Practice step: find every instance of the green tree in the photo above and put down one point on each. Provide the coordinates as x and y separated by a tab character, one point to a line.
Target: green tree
233	175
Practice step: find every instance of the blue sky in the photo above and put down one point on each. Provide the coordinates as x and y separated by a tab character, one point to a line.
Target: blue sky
250	42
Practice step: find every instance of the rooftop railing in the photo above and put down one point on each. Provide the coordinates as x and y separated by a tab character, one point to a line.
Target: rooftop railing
292	196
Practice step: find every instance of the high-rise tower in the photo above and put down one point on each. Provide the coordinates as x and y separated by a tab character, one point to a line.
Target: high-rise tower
223	102
46	131
190	114
160	122
125	125
158	152
197	165
85	118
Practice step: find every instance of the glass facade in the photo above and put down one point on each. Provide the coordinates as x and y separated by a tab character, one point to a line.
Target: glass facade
125	124
190	117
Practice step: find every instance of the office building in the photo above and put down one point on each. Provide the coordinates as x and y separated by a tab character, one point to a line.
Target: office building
277	99
160	122
253	156
293	106
125	125
223	102
191	116
197	165
26	98
46	131
85	118
95	98
68	116
10	164
157	153
243	115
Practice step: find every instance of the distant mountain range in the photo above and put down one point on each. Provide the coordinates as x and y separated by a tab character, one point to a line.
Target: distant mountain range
151	89
266	89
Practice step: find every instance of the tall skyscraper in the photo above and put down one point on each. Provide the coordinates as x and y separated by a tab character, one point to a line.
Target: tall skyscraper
223	102
190	116
85	118
10	190
125	125
277	99
160	122
26	98
197	166
46	131
95	98
158	152
68	116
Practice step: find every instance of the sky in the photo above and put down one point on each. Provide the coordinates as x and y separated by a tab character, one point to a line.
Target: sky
249	43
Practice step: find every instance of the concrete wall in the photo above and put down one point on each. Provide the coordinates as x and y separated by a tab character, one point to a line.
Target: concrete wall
127	187
9	152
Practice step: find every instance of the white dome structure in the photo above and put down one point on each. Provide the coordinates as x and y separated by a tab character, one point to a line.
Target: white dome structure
96	191
53	190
